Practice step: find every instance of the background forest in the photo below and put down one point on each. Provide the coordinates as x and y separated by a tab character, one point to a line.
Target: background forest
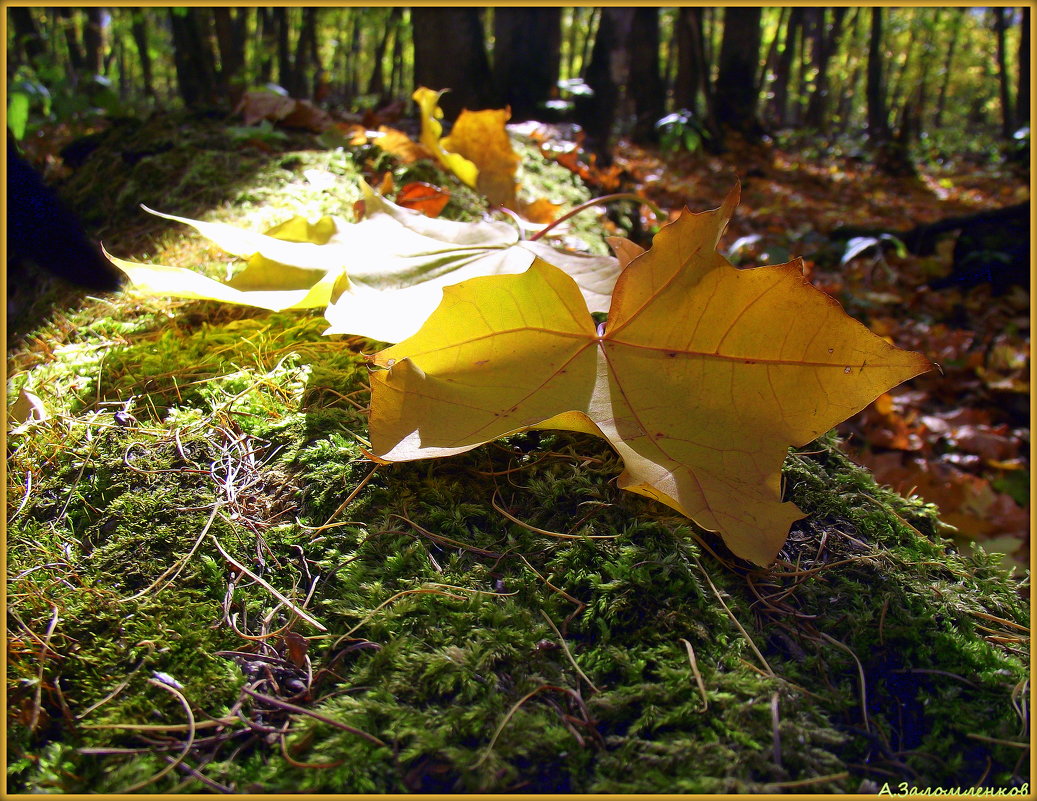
213	588
946	81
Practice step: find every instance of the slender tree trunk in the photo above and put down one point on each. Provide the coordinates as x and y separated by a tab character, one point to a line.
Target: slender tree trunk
593	21
285	71
783	71
194	60
27	34
76	59
1022	112
93	40
526	57
376	86
139	29
605	75
396	77
645	83
770	64
1000	23
851	68
826	43
267	35
897	88
230	37
878	119
948	65
735	90
306	65
462	67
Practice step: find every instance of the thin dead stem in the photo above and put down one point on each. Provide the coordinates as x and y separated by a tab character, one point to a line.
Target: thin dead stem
698	676
191	729
568	653
267	586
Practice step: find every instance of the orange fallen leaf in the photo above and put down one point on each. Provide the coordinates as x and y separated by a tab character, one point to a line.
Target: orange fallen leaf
701	378
398	144
428	199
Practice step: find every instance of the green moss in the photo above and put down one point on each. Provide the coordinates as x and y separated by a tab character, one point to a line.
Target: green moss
871	652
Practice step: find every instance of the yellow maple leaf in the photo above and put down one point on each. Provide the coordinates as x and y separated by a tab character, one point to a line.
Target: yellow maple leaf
701	378
480	137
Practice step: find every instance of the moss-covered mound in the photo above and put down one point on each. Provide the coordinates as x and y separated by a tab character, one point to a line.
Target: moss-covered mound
210	588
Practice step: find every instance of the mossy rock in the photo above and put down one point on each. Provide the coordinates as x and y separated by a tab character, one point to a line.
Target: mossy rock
505	620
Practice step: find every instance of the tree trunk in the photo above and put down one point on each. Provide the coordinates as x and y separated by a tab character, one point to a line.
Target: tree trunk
306	64
605	75
376	86
230	37
948	64
770	63
735	90
267	35
692	70
783	72
645	83
1022	96
285	71
93	40
139	29
825	44
195	70
27	34
878	119
1000	23
527	56
450	53
76	59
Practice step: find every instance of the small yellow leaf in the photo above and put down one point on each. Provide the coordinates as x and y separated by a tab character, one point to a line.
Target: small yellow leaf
480	136
432	130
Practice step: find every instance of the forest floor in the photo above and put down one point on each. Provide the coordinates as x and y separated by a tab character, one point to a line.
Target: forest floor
210	588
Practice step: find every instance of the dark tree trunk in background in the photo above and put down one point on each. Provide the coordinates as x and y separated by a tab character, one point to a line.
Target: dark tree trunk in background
783	71
306	64
1000	24
527	55
27	35
770	63
450	53
941	100
891	154
93	40
826	42
376	86
878	118
645	82
1022	97
736	91
265	28
139	28
195	64
692	70
75	52
285	74
605	75
397	80
230	36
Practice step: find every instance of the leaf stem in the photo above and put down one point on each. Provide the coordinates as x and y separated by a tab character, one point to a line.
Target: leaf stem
595	201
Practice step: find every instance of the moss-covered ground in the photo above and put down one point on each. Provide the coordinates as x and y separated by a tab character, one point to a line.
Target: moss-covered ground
210	588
